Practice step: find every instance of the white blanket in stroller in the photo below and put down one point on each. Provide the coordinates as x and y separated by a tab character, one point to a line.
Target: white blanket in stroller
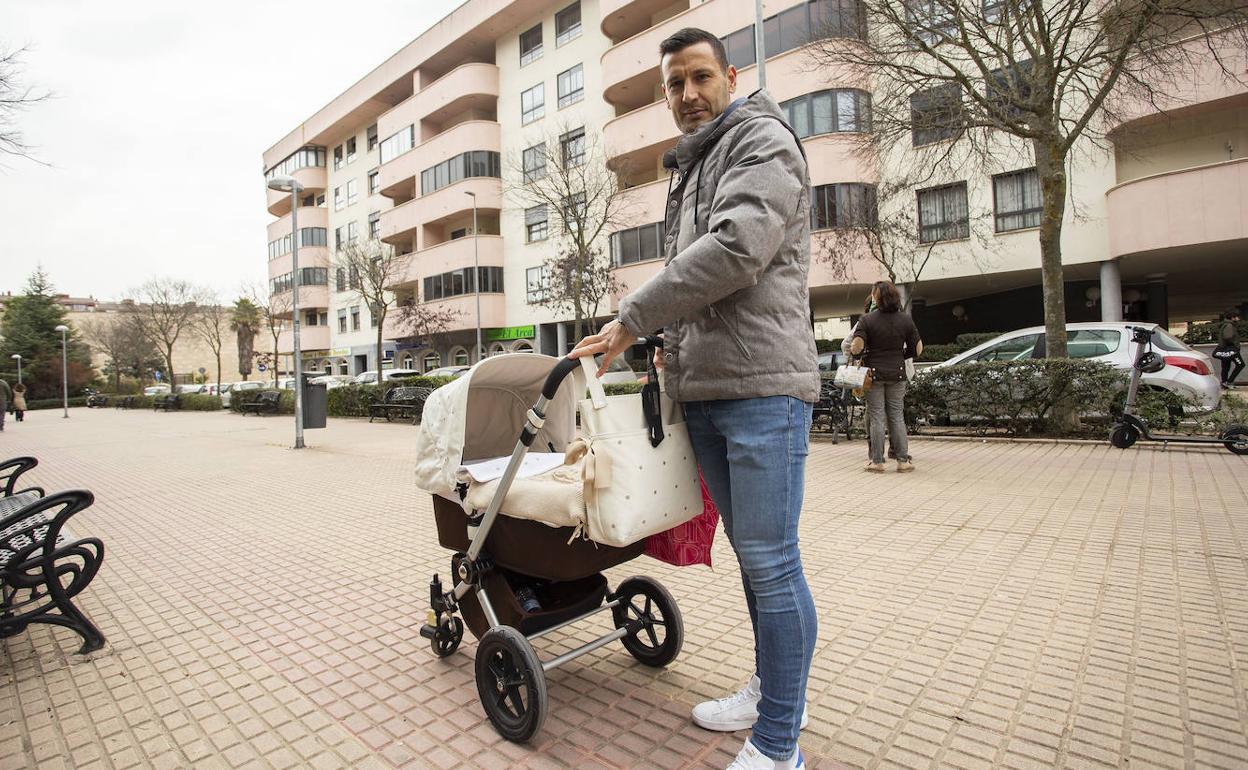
547	488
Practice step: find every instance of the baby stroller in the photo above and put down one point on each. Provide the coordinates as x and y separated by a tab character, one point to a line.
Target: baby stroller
516	577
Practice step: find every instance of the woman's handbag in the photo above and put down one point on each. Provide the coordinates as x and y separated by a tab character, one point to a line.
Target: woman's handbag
852	376
640	476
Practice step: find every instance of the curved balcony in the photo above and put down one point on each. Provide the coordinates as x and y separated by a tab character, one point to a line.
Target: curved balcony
401	176
314	180
310	297
310	216
493	314
310	338
309	256
621	19
472	86
400	222
451	255
1190	207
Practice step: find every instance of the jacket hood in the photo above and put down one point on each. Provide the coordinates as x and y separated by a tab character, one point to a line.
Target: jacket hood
693	146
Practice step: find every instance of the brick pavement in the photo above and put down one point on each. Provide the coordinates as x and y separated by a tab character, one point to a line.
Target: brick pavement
1008	605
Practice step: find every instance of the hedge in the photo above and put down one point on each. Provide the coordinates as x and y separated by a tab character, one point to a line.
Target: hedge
353	400
285	401
961	344
1208	333
52	403
199	402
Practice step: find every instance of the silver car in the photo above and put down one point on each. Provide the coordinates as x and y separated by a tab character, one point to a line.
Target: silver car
1188	372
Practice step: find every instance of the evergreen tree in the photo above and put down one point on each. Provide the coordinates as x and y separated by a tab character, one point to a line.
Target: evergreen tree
29	329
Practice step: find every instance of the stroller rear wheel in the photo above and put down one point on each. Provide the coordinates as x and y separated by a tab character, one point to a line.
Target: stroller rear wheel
648	611
1236	438
511	683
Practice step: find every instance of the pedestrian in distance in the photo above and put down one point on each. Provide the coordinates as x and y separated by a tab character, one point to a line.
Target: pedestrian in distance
739	356
885	338
19	402
1227	350
6	395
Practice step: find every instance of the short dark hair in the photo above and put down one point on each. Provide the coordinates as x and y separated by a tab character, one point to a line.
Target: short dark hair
688	36
889	299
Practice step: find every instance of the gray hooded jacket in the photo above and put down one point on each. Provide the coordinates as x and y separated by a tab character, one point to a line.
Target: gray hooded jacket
733	299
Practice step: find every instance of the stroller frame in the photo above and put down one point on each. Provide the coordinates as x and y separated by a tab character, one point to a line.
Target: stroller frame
507	668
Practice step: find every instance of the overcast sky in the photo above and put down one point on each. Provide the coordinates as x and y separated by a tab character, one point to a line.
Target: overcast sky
161	112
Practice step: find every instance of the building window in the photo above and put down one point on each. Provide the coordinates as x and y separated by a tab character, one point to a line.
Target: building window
460	357
353	231
342	321
535	224
460	282
355	318
308	276
351	150
787	30
637	244
837	19
478	163
740	47
535	284
399	143
304	157
374	225
371	135
936	114
842	205
571	86
309	318
352	192
337	157
533	104
531	45
931	21
533	160
340	201
340	280
574	210
430	361
572	147
1010	89
373	315
943	214
1016	200
353	278
373	182
826	112
323	318
568	24
308	236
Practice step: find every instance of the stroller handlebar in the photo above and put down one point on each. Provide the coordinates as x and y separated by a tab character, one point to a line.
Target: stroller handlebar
568	365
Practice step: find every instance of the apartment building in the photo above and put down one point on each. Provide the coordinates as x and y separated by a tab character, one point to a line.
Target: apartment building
438	133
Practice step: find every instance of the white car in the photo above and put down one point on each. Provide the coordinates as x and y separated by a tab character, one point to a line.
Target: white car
228	391
447	371
156	390
618	372
331	381
1188	372
370	377
187	389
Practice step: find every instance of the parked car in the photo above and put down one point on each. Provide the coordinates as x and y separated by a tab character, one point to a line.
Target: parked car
447	371
619	371
829	362
331	381
370	377
1188	372
188	389
233	388
156	390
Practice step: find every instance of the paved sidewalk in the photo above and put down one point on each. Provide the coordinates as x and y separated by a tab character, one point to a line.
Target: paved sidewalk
1019	606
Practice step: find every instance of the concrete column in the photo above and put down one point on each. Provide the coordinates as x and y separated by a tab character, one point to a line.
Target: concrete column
1158	300
561	337
1111	291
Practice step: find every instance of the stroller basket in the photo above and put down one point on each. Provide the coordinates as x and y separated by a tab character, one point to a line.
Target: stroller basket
516	580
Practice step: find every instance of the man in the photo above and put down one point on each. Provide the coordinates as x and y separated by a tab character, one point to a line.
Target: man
1227	350
739	354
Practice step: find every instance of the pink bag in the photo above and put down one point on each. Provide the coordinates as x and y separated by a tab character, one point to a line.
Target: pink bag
689	543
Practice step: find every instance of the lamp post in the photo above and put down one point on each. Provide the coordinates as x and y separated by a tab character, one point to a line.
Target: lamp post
63	329
291	185
760	55
476	273
18	358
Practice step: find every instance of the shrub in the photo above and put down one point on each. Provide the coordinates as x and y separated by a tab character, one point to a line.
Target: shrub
824	346
52	403
200	402
971	339
1020	397
937	353
622	388
285	401
353	400
1207	333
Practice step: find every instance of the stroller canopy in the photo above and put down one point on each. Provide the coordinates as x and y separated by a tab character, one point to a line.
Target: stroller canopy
479	416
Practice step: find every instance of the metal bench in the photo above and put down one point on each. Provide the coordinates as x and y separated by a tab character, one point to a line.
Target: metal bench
43	566
169	403
404	401
265	401
10	471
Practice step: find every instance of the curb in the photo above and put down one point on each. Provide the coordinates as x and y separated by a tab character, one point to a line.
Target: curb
1155	446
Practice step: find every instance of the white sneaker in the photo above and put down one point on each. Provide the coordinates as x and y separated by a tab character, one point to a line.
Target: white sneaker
738	711
751	758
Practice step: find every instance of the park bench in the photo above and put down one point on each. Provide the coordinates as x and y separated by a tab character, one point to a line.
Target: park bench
265	401
169	403
403	401
10	471
123	402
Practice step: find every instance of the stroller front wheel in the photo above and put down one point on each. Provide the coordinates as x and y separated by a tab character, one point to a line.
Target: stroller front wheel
511	683
446	639
649	613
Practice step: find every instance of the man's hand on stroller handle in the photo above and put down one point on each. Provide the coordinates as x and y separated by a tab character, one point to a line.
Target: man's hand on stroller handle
613	340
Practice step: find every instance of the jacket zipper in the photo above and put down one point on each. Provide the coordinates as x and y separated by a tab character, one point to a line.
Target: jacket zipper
732	334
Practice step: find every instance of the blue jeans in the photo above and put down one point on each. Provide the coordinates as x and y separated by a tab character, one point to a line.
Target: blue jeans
752	453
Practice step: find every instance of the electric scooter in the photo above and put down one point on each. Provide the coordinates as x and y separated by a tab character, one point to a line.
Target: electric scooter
1130	428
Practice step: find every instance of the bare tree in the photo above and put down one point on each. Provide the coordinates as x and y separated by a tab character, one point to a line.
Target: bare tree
966	82
121	338
274	311
211	323
165	311
14	98
565	183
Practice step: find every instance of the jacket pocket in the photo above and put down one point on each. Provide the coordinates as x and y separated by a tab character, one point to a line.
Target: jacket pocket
732	333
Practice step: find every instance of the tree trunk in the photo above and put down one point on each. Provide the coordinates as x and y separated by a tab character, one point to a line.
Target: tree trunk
381	322
1051	167
169	365
218	368
276	360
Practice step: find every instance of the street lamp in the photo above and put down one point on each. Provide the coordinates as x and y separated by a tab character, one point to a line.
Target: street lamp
476	275
291	185
18	358
63	329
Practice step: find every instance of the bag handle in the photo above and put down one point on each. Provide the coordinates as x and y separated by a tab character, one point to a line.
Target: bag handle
596	393
651	404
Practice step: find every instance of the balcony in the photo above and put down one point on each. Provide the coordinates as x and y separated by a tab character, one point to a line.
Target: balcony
309	256
1191	207
313	179
400	178
493	314
400	223
311	216
310	338
309	297
472	86
451	255
622	19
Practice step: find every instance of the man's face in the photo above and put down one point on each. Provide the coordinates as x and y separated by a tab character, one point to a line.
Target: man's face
696	88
